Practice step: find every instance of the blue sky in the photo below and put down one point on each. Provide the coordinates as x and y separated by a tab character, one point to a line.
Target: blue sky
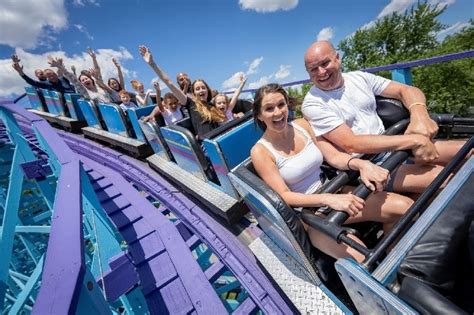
210	39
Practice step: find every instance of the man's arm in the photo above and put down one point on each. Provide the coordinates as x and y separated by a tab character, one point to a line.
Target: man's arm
38	84
343	137
414	100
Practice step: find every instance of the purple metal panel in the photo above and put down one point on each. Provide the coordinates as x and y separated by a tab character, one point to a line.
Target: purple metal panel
64	266
125	216
150	245
121	279
247	307
215	271
177	300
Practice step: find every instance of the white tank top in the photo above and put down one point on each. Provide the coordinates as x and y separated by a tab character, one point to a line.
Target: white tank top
301	172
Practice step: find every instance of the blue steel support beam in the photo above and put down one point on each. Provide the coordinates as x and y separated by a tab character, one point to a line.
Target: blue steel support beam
402	76
10	220
22	298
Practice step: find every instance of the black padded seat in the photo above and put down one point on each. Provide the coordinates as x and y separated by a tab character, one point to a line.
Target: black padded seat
390	110
448	245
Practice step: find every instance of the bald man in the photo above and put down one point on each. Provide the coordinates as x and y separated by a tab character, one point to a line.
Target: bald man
341	108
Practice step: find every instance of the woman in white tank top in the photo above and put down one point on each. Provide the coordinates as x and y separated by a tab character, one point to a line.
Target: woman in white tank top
288	158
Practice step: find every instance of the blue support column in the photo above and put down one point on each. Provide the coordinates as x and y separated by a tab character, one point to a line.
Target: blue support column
402	76
10	220
22	298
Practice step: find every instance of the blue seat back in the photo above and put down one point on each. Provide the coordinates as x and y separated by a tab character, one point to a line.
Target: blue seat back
134	114
114	119
73	106
36	98
152	132
53	102
229	149
185	150
90	112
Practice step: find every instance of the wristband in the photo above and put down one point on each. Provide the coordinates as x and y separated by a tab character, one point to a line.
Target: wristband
416	104
349	161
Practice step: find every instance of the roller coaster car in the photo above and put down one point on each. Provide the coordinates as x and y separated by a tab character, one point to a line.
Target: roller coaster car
108	124
399	282
56	109
178	155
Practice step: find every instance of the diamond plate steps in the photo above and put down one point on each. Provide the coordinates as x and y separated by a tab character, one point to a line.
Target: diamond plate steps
307	296
230	250
172	280
219	202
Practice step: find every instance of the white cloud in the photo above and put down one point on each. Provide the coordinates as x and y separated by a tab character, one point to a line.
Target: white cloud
30	23
400	6
452	29
83	29
233	81
254	65
260	82
283	72
264	6
441	3
326	33
396	6
12	83
83	3
163	87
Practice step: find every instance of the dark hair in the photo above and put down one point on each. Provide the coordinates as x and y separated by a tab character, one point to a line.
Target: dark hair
118	82
257	103
85	75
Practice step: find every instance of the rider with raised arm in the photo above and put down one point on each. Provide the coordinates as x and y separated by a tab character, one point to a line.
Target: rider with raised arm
204	116
222	103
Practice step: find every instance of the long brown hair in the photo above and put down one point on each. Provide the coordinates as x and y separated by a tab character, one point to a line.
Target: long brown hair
207	110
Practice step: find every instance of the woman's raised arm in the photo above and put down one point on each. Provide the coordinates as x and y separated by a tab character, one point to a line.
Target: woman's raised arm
148	57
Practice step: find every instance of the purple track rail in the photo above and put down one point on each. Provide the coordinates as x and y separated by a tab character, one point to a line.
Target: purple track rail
147	230
235	255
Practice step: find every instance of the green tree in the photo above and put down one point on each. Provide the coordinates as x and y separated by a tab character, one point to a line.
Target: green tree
394	38
296	97
449	86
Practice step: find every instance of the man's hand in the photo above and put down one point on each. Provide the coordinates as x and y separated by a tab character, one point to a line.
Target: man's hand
15	58
55	62
146	54
16	64
91	53
18	68
426	151
422	125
